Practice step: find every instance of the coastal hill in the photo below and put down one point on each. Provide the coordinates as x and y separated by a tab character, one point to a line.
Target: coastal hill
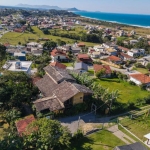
46	7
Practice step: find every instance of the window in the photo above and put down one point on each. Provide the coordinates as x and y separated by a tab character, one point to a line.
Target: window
81	97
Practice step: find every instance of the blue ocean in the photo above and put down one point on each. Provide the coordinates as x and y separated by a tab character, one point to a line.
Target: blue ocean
129	19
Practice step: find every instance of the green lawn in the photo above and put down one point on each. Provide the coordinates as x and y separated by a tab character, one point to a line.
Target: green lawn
142	70
13	37
102	140
68	64
139	126
2	128
127	92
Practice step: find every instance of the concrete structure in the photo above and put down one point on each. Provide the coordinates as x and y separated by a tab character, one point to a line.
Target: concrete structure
24	66
136	52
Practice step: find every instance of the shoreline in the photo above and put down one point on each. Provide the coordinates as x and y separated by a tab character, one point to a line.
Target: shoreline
115	22
146	27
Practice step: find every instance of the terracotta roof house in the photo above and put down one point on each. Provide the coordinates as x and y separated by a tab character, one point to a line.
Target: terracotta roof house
124	49
57	64
125	57
23	123
84	58
106	68
81	44
60	90
114	59
58	55
134	146
139	79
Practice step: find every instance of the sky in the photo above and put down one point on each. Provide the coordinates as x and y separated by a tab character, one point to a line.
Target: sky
118	6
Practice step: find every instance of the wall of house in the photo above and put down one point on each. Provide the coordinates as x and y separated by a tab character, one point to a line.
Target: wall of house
60	56
78	98
135	81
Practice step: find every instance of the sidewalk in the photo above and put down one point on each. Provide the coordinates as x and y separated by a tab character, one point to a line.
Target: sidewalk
126	139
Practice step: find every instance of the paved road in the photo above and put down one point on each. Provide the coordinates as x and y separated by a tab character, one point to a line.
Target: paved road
124	71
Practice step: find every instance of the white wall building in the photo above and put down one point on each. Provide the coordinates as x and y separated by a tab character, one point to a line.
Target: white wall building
24	66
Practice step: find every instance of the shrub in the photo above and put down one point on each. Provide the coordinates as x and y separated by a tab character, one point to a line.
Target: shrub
132	83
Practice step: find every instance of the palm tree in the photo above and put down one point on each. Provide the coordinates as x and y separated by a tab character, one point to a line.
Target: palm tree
113	96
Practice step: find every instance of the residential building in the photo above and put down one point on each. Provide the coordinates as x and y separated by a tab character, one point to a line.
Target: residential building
20	56
105	68
84	58
81	67
20	66
136	52
114	59
58	55
59	65
111	51
133	42
134	146
140	79
123	49
125	57
59	90
95	54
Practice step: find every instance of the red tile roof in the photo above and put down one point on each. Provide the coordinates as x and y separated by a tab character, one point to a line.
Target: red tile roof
141	77
123	48
113	58
23	123
84	58
100	67
126	55
81	44
59	65
56	52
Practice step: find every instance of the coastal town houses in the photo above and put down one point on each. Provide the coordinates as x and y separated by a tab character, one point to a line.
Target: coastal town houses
59	91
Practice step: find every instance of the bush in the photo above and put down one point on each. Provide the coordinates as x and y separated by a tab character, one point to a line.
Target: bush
131	105
78	135
132	83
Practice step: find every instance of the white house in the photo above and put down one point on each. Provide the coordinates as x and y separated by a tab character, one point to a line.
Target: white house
140	79
99	48
95	54
136	52
133	42
58	56
24	66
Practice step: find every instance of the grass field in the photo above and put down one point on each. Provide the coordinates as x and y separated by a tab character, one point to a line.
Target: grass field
13	37
142	70
2	128
102	140
139	126
127	92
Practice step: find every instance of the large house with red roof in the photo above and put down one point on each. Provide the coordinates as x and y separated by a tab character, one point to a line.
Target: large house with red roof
114	59
106	69
59	56
140	79
84	58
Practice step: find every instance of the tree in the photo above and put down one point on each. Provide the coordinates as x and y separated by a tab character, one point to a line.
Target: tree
22	22
11	116
49	45
2	52
50	135
100	73
148	66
